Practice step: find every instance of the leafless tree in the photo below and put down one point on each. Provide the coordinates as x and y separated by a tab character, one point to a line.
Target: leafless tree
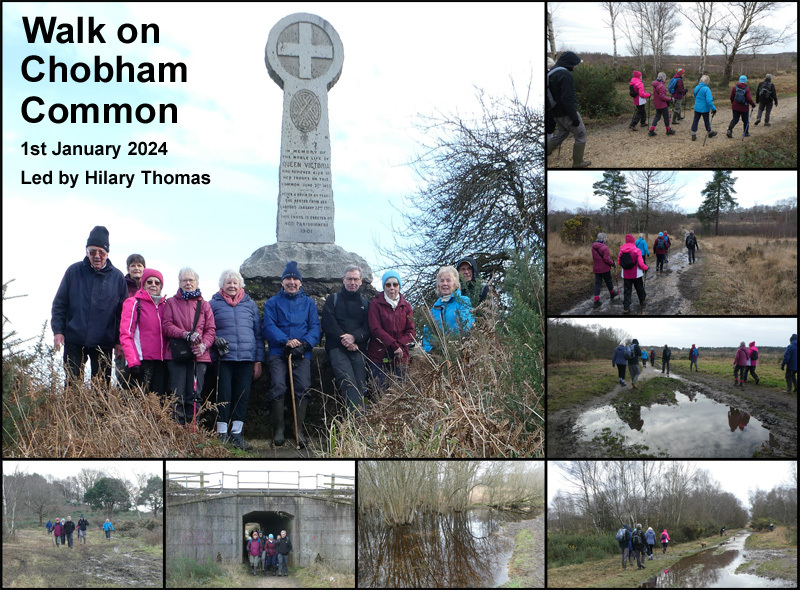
614	10
634	25
87	477
651	188
654	26
701	17
14	488
550	16
741	31
40	498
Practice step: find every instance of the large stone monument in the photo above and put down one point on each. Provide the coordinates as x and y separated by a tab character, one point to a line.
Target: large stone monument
304	56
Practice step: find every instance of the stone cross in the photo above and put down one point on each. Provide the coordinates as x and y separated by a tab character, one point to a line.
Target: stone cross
304	56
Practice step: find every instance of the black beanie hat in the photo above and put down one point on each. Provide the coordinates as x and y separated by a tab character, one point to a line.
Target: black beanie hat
98	237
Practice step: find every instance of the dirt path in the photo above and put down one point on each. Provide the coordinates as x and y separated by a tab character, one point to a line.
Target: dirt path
528	569
614	146
668	293
776	411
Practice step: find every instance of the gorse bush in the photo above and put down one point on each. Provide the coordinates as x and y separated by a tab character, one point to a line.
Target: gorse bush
569	548
579	230
594	88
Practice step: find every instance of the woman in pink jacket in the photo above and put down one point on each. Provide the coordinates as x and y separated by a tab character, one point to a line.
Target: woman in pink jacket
601	266
186	378
639	100
140	334
740	365
632	263
664	541
752	361
661	103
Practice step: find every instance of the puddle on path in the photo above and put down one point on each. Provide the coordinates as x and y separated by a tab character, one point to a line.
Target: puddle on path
696	427
708	569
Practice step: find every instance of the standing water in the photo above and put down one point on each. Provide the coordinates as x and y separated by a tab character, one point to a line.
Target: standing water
439	551
713	568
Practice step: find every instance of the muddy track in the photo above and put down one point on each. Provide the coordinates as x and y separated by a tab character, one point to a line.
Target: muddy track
670	292
534	577
614	146
776	410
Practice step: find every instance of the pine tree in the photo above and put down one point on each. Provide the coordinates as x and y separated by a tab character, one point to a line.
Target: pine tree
718	198
614	187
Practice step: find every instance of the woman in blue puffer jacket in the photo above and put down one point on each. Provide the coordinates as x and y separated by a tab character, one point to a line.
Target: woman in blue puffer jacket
452	311
703	104
239	353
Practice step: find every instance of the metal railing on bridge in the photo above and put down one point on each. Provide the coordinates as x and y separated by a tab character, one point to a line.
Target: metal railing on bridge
218	482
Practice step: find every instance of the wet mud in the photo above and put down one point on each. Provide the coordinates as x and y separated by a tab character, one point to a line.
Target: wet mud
710	419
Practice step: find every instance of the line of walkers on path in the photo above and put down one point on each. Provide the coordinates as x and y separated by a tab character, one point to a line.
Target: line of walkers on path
165	344
627	354
62	530
269	555
634	542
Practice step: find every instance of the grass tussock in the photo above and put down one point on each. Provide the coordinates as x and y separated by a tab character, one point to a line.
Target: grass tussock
42	418
749	276
461	402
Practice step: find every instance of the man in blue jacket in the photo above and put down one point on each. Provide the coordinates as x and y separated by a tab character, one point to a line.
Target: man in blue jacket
790	362
86	310
291	328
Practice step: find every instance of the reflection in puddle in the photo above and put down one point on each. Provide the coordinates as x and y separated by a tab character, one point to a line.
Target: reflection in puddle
438	551
696	427
709	570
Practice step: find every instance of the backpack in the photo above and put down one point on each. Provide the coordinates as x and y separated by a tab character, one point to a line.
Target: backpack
660	244
754	355
691	242
633	91
666	354
621	534
638	538
740	95
672	84
551	103
630	353
626	261
765	92
695	352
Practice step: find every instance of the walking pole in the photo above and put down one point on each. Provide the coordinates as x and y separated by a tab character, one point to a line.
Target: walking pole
193	427
615	279
748	123
709	127
294	408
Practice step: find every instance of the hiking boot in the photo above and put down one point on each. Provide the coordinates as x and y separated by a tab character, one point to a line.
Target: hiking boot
675	121
632	128
277	422
729	133
767	124
670	132
694	137
712	133
757	380
626	310
651	133
223	438
633	384
614	294
623	383
735	382
238	441
643	124
643	302
577	156
301	416
747	134
757	122
597	304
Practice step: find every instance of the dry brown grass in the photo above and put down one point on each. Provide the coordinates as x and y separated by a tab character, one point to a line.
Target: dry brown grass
746	275
460	404
93	420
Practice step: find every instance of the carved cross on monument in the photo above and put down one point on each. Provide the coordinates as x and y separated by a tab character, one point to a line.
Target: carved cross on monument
304	56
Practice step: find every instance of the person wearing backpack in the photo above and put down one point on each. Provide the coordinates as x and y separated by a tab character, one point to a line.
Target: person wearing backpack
562	102
632	263
693	354
639	96
624	539
740	98
638	542
740	365
652	357
650	539
618	361
254	552
641	243
703	104
661	103
677	90
765	96
752	358
666	355
691	245
601	266
660	248
644	358
790	362
664	541
632	354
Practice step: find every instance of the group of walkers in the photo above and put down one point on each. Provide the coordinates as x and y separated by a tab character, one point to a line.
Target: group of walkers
636	543
562	117
63	529
269	555
165	344
626	358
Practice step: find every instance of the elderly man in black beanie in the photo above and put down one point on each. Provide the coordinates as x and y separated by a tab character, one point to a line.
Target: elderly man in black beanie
86	310
562	104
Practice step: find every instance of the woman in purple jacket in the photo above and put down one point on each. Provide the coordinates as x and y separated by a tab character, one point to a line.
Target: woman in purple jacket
740	365
661	103
601	266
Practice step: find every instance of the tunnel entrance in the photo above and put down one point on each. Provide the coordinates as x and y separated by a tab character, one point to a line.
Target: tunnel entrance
269	522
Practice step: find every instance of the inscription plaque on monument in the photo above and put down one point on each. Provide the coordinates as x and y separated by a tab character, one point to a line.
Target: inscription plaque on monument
304	56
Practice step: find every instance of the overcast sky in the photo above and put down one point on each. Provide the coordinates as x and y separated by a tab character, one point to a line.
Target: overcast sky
568	191
579	27
683	332
400	60
231	468
736	477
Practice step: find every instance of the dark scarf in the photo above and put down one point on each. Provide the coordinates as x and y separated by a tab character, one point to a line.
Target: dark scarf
190	294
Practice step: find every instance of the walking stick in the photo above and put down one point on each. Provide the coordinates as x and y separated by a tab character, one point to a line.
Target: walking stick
748	123
615	279
709	128
294	408
193	427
